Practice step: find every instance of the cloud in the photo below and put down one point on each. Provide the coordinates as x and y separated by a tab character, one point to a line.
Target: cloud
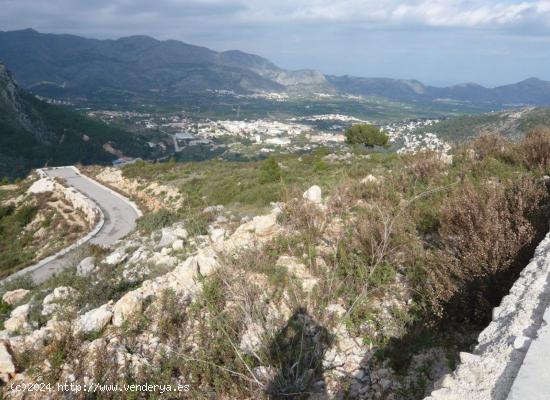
430	13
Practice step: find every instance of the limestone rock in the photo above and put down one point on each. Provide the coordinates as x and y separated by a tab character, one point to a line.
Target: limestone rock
15	296
116	257
178	245
217	235
181	233
128	305
168	237
86	266
18	319
314	194
264	225
7	367
94	320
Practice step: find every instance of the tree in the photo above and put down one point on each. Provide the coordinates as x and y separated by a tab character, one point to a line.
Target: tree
270	171
4	181
366	134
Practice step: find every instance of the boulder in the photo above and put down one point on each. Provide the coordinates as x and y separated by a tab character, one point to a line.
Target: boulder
18	319
116	257
7	367
86	266
206	262
94	320
59	294
217	235
168	237
265	225
128	305
178	245
181	233
314	194
15	296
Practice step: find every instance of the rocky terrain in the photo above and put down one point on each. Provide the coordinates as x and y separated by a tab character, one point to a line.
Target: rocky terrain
316	276
33	214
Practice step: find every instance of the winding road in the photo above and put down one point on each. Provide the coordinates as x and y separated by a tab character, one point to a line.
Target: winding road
119	213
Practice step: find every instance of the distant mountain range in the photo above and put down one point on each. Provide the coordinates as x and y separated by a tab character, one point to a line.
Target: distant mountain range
34	134
72	66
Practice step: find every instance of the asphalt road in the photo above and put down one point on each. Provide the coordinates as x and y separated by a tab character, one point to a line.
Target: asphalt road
120	219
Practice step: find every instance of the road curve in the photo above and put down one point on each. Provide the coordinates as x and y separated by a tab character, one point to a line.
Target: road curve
119	214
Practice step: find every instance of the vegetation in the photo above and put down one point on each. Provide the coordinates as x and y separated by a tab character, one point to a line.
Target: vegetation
416	257
366	134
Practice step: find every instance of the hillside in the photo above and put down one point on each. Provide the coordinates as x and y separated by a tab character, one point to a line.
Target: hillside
512	124
33	134
255	284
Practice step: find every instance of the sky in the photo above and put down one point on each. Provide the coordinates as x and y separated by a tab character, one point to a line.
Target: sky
438	42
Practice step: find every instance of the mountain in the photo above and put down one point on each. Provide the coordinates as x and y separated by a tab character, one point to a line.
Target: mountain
80	66
71	66
34	134
531	91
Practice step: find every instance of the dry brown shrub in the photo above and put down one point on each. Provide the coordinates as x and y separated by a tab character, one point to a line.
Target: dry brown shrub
424	166
483	231
535	149
490	145
304	217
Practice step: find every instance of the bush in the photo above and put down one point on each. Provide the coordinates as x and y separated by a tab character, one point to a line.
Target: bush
157	220
25	215
535	150
483	230
366	134
270	171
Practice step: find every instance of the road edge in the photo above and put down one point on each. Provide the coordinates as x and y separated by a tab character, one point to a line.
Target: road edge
31	268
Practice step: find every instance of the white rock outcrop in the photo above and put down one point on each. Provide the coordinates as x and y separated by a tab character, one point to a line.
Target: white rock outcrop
314	194
7	367
94	320
18	319
128	305
86	266
15	296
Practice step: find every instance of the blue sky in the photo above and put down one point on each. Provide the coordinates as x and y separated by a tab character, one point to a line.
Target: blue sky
438	42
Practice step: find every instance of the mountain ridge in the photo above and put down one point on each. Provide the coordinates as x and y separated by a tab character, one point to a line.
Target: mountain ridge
73	66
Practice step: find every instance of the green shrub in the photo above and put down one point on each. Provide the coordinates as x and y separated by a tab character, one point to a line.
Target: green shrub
270	171
25	215
156	220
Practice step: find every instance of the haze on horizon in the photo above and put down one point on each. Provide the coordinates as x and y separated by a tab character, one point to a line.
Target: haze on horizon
438	42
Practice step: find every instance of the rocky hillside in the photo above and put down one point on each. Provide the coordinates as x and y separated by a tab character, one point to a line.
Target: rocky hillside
33	134
298	277
513	124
